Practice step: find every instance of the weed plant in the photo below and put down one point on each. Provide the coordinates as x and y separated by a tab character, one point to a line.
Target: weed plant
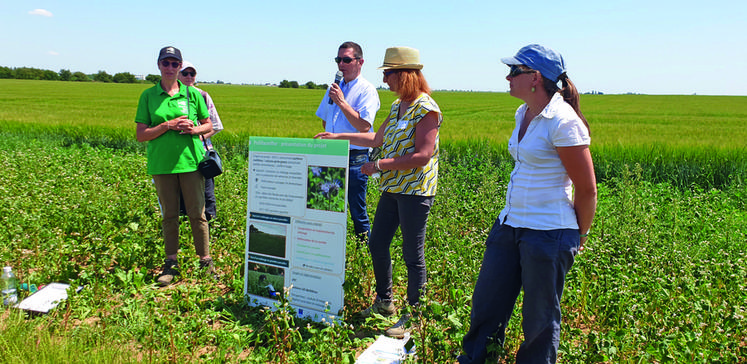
663	277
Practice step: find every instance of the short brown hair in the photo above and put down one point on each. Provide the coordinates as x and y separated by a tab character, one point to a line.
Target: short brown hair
357	50
410	84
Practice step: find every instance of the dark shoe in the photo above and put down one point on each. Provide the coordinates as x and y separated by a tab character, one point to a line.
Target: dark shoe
400	328
383	307
208	268
169	272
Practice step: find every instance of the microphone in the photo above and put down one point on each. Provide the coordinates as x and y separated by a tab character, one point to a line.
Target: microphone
338	78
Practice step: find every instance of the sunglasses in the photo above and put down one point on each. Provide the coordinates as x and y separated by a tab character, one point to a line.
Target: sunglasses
389	72
188	73
166	63
345	59
517	70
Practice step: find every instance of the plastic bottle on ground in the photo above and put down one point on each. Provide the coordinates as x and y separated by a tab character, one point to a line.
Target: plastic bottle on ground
9	287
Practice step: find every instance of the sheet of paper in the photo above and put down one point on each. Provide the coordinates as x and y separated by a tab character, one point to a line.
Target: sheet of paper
46	298
385	350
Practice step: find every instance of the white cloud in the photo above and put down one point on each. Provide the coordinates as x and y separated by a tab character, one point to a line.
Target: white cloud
53	53
41	12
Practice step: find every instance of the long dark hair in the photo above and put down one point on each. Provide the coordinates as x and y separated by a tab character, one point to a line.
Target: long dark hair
569	93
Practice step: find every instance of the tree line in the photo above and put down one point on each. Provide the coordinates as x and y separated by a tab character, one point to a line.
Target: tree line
29	73
309	85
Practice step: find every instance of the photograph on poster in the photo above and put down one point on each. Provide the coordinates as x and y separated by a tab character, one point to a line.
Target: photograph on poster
326	189
267	239
265	281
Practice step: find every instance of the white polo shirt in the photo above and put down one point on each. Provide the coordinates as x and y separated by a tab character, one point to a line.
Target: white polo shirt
540	193
364	99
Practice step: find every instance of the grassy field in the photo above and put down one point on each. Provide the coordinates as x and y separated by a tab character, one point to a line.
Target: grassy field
662	279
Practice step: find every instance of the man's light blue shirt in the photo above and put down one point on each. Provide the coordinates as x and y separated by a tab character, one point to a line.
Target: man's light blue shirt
364	99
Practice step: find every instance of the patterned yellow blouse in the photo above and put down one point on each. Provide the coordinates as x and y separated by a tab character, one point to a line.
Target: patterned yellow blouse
399	140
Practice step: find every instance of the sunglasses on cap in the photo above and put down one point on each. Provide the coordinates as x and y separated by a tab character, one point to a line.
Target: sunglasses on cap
173	64
345	59
517	70
189	73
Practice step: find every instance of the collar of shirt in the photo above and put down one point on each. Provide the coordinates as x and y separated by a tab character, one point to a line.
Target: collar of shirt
346	85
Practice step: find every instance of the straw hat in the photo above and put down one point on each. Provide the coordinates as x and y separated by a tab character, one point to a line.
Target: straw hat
399	58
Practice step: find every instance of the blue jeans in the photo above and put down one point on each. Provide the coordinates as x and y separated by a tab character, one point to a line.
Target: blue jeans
357	187
410	214
536	260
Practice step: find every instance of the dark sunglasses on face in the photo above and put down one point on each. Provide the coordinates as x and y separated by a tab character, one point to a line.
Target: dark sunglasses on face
166	63
517	70
389	72
345	59
188	73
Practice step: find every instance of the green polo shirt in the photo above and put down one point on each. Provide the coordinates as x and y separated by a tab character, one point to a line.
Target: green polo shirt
172	152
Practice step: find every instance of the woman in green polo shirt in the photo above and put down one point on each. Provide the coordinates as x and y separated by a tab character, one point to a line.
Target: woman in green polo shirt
165	118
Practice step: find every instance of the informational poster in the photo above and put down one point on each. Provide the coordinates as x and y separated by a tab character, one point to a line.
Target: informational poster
296	224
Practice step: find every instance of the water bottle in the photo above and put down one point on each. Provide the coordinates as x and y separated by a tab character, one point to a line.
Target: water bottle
9	284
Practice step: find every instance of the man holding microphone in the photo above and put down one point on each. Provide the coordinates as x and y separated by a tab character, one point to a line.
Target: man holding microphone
350	107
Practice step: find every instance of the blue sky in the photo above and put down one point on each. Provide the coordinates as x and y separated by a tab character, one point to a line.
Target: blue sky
653	47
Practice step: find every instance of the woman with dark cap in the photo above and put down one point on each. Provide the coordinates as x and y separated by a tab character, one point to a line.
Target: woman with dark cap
409	174
550	205
171	117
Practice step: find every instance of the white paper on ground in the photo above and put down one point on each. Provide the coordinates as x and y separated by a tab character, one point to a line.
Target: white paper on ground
45	299
385	350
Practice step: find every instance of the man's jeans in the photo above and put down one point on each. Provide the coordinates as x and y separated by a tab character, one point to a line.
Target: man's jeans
536	260
357	186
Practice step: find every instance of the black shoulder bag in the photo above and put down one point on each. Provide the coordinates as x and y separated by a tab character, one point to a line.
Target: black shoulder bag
211	165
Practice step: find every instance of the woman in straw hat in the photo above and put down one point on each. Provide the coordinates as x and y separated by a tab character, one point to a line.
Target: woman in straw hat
550	205
409	173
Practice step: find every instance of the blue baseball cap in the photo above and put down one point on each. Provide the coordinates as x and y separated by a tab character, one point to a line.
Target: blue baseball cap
547	61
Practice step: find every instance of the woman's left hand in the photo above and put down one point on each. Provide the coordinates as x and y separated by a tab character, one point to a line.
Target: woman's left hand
183	125
369	168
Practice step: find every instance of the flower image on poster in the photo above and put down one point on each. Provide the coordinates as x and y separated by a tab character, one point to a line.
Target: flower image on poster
326	189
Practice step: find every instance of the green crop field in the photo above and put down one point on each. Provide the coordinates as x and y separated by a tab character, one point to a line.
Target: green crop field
663	278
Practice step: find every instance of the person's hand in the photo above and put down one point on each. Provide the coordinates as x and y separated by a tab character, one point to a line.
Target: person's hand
324	135
581	245
335	94
183	125
369	168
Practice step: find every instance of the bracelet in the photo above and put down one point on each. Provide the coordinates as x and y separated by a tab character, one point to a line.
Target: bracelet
377	166
584	235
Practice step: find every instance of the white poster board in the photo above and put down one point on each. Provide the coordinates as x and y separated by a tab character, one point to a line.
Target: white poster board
296	224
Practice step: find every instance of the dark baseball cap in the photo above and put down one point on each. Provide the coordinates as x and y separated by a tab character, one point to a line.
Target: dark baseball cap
170	52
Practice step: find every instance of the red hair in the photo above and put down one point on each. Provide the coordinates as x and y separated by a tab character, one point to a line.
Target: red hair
410	84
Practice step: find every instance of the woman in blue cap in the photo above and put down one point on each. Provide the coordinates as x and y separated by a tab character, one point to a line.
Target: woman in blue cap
550	204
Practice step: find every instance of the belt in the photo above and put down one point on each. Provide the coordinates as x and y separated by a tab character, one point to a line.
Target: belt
358	151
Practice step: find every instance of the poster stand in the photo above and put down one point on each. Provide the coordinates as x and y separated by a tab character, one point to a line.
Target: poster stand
296	224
